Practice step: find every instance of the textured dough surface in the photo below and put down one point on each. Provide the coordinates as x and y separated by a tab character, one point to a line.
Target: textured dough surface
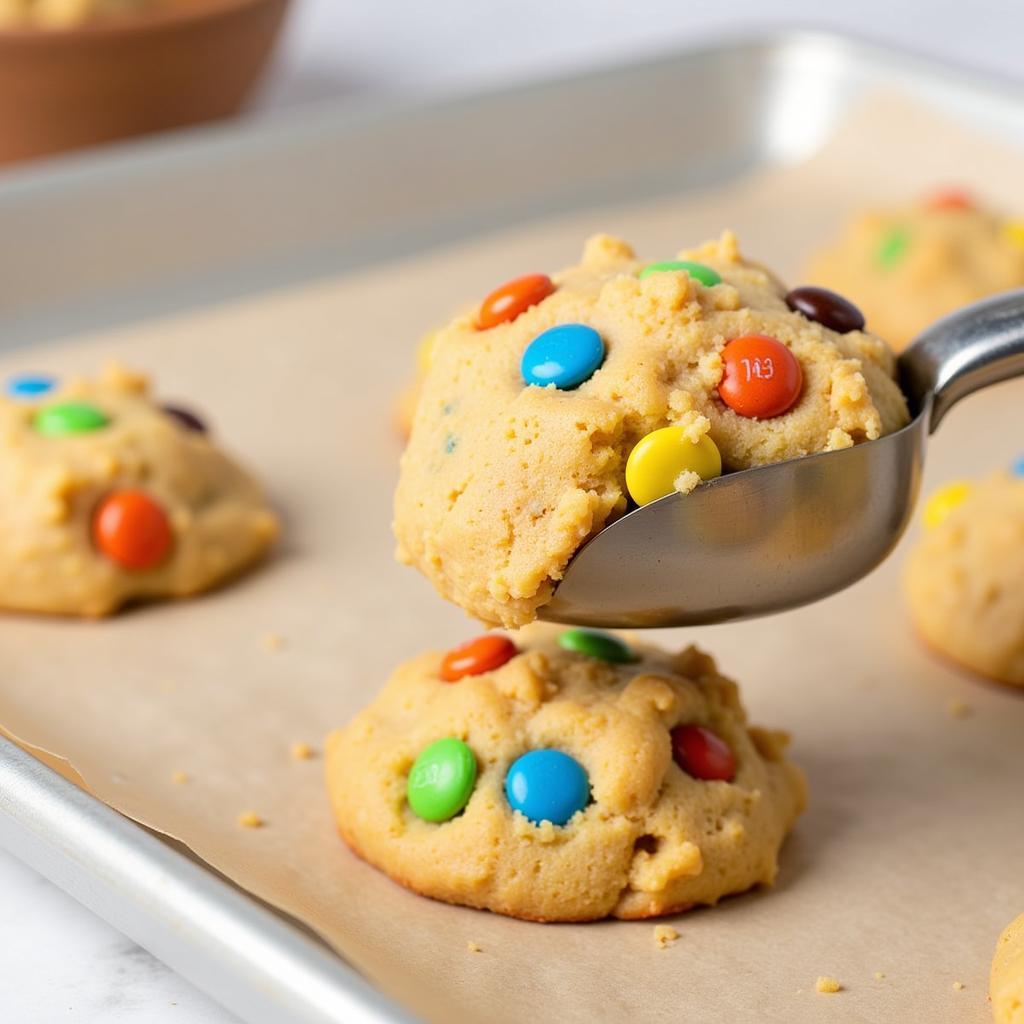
653	841
964	581
1006	983
502	483
51	486
953	257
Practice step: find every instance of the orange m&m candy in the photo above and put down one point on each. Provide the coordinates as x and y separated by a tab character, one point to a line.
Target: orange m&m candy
761	378
504	304
130	528
949	199
481	654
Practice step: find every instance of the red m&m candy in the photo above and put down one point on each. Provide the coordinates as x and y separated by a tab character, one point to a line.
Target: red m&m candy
130	528
702	754
504	304
761	377
481	654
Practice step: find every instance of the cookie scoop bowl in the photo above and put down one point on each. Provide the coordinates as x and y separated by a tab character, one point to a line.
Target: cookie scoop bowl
779	536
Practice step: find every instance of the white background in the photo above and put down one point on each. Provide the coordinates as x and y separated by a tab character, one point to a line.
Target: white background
57	961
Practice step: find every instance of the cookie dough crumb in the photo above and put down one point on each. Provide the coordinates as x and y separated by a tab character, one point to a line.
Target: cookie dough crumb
250	819
180	777
473	947
302	751
273	641
957	708
664	935
827	985
958	986
879	976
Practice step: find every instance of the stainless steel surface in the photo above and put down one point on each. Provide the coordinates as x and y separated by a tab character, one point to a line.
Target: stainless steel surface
968	350
779	536
184	914
143	229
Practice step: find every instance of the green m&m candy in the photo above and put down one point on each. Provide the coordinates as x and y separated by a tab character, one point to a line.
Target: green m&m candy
698	271
892	248
442	780
69	418
595	644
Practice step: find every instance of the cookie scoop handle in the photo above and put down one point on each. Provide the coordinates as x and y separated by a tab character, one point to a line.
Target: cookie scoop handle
976	346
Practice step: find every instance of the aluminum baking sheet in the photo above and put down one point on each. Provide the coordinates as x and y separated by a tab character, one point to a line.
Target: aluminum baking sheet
137	231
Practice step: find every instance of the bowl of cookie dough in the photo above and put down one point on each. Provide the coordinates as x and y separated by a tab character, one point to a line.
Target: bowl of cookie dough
77	73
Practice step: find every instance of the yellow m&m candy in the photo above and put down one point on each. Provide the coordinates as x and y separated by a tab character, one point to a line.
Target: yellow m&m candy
944	500
657	461
1013	230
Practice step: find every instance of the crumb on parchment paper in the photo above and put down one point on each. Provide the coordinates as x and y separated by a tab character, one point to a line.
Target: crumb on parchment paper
179	777
250	819
664	935
473	947
827	985
273	641
301	751
958	986
879	976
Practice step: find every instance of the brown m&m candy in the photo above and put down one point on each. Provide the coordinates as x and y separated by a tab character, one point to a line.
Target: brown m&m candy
826	308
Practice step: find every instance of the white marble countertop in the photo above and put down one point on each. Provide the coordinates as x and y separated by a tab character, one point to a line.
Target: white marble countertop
57	961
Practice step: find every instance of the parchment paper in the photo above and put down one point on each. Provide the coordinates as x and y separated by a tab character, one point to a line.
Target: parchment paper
909	860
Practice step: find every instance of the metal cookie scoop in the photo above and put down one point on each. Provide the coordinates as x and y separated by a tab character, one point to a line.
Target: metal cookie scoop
771	538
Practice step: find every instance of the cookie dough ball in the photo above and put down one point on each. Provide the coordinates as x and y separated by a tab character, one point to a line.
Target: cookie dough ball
965	579
109	498
565	777
503	480
907	267
1006	982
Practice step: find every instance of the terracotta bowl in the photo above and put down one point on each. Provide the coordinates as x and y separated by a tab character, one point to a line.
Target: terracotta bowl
141	72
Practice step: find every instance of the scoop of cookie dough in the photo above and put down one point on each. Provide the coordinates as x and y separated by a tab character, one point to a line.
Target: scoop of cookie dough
503	481
1006	982
109	498
670	798
964	580
907	267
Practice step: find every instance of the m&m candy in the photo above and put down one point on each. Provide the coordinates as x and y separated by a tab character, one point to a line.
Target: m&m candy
565	356
702	754
185	418
1013	232
28	386
658	459
949	199
596	644
826	308
698	271
547	785
69	418
1017	468
761	378
441	780
481	654
892	248
944	500
504	304
131	529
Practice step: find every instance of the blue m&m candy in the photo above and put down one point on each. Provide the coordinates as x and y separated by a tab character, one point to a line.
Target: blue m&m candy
565	356
30	385
1017	469
547	785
